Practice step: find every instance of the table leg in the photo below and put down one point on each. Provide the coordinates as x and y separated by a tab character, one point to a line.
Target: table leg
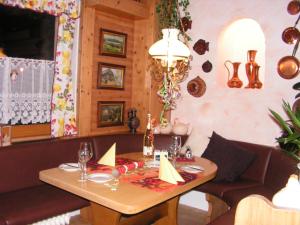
171	216
162	214
104	216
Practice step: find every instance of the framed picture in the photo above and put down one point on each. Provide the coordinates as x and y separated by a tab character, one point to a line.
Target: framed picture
110	114
110	76
113	43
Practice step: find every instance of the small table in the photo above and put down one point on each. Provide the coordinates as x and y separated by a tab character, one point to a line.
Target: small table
130	204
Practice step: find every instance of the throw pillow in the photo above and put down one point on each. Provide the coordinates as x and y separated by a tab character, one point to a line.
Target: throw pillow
231	159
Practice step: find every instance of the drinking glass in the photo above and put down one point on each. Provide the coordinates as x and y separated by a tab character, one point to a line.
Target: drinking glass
175	149
85	153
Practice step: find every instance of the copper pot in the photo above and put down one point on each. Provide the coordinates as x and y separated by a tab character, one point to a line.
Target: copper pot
293	7
288	67
290	35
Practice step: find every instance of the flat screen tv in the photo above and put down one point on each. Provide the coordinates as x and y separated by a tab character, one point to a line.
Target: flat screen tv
27	34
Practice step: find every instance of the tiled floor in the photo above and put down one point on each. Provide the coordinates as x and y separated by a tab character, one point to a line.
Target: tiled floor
186	216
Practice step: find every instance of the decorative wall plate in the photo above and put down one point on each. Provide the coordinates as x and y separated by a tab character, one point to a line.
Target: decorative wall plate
207	66
196	87
201	46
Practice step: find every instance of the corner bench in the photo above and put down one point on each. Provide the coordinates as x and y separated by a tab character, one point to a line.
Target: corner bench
25	199
267	174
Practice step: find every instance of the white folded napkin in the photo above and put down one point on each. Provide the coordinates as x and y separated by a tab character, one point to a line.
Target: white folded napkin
167	172
109	157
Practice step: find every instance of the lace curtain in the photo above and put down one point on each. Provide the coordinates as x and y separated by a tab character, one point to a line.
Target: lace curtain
25	90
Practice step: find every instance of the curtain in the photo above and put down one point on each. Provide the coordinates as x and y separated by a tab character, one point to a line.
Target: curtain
26	90
63	115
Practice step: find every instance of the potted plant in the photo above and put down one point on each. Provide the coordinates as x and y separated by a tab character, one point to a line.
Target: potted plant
289	141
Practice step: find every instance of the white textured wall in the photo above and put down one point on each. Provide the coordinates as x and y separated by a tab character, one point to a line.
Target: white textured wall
239	114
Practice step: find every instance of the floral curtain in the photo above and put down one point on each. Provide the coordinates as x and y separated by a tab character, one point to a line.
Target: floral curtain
62	107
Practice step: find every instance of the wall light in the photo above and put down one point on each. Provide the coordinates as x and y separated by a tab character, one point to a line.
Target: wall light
171	62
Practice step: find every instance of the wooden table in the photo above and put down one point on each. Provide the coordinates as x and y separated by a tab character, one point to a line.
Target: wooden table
130	204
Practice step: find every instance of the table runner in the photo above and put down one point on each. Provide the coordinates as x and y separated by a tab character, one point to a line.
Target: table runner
145	178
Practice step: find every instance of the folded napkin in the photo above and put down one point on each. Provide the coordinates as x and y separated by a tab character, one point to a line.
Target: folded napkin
167	172
109	157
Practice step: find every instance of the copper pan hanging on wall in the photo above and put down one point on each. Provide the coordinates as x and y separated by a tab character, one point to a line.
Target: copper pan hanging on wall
288	67
290	35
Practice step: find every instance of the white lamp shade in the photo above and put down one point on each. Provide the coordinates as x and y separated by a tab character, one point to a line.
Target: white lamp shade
169	48
289	196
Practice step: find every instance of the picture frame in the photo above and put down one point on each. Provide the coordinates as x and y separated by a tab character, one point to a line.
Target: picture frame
113	43
110	76
110	113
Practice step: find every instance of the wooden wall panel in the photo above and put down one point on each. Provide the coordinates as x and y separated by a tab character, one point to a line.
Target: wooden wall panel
139	90
86	70
119	24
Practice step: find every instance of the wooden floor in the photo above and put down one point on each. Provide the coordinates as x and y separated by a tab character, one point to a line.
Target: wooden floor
186	216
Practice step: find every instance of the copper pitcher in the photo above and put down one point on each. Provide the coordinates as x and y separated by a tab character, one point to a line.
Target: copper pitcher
234	82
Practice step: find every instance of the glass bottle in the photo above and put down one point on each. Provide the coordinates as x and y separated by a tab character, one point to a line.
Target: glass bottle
148	138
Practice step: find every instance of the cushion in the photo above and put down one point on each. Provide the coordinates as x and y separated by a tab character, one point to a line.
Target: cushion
231	159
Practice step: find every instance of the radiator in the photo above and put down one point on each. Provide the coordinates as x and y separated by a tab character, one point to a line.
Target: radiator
63	219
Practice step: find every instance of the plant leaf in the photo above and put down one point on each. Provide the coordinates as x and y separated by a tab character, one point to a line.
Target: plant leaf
291	114
281	122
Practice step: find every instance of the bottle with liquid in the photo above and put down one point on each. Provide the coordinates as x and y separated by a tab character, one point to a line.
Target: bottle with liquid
148	138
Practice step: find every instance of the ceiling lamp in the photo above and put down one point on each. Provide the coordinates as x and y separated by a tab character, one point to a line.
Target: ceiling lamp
171	59
169	49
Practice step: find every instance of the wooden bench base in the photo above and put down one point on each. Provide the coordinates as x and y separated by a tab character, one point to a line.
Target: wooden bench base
216	207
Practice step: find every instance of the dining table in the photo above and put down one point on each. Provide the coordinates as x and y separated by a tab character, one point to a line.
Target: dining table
140	198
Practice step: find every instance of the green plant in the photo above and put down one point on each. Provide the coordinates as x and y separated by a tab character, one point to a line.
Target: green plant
290	138
168	12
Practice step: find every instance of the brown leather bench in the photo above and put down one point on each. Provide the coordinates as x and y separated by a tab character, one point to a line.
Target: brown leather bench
25	199
266	175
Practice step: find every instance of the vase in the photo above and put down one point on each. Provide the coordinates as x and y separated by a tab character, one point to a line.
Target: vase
257	83
133	121
251	68
180	128
234	82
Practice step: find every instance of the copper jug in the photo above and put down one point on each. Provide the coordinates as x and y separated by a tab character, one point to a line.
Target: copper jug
234	82
250	67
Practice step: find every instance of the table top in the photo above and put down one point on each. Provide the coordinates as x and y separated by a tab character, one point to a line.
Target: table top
128	198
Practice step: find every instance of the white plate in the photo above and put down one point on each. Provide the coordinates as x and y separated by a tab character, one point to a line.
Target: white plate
192	169
70	167
152	164
100	177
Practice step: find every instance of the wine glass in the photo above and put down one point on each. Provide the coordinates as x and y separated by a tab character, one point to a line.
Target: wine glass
175	149
85	153
115	182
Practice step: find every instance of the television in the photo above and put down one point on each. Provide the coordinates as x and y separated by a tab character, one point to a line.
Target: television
27	34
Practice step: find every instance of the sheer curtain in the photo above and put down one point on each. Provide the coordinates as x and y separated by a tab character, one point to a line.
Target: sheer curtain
25	90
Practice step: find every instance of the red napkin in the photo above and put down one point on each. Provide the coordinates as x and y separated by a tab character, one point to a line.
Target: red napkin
122	165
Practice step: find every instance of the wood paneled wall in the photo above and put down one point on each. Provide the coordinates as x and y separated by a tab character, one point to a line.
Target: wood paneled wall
139	90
